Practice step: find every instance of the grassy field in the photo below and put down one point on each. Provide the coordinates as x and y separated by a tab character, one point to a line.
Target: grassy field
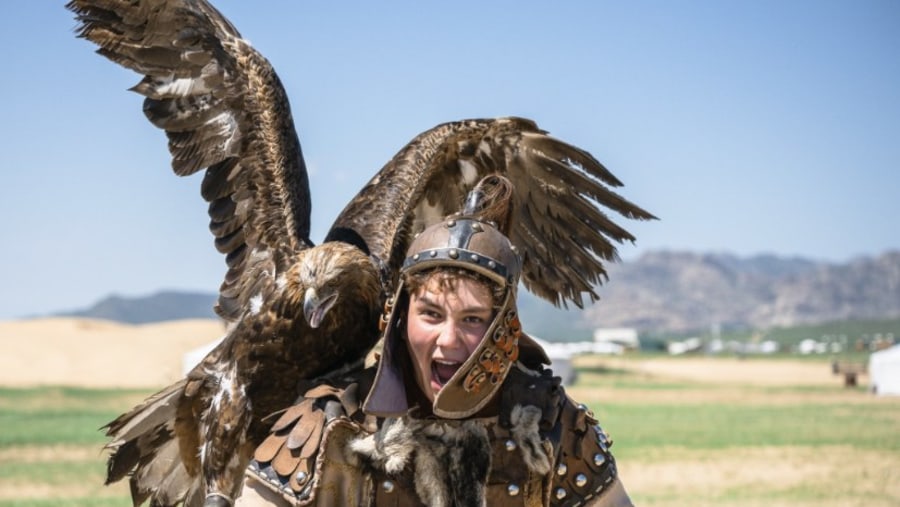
707	443
678	442
50	445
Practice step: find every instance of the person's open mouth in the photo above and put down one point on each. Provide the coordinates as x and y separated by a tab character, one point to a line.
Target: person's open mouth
442	370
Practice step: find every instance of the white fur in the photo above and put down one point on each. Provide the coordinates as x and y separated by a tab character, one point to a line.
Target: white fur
525	432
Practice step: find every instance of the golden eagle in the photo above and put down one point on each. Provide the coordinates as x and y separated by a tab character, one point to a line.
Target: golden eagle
295	310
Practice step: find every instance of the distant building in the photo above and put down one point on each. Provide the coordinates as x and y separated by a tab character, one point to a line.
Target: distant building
560	355
693	344
624	336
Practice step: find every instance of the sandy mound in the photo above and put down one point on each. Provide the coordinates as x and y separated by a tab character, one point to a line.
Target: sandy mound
97	353
730	370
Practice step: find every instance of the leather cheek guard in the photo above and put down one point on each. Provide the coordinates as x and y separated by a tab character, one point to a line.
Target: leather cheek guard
479	378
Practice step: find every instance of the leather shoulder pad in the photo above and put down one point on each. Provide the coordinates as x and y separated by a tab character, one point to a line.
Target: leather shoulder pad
289	460
584	466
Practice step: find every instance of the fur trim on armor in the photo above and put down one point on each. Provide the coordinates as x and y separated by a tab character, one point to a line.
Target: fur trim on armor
525	420
390	448
449	461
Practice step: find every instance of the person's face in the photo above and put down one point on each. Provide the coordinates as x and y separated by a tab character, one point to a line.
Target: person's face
444	326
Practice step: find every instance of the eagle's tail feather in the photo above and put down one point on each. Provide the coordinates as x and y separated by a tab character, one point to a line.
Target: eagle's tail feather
154	412
145	445
162	476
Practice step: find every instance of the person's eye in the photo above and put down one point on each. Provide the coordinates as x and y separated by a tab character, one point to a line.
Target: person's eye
430	314
474	319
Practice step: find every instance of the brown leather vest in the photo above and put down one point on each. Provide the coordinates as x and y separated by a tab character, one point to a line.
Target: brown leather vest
539	448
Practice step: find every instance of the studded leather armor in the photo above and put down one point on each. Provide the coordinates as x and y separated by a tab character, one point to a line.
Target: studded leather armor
533	447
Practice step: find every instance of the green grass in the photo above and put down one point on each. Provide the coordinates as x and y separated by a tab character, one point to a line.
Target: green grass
51	445
34	427
58	473
641	428
60	415
820	420
731	431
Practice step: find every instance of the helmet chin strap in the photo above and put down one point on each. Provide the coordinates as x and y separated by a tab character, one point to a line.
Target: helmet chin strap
479	378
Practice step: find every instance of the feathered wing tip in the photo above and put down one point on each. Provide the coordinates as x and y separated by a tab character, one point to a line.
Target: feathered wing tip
563	227
561	197
224	110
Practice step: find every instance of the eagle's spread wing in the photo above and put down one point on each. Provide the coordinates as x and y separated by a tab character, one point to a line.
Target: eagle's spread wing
560	190
296	310
223	109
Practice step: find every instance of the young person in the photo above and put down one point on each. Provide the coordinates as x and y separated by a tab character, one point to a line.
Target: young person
460	409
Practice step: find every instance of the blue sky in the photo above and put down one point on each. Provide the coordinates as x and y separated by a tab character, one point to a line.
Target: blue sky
747	127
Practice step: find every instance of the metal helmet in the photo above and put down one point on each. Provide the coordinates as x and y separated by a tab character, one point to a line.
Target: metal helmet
467	243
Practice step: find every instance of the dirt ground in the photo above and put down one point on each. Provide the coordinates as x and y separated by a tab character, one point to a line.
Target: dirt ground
96	353
731	371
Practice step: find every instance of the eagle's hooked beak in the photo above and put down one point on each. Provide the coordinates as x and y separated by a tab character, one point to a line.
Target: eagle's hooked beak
314	308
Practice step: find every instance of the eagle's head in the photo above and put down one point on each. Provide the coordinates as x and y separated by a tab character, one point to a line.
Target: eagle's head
335	272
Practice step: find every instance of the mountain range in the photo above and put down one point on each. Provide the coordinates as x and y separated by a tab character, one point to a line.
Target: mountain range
678	291
158	307
658	291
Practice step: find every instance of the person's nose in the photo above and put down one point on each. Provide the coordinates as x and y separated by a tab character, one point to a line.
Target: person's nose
449	336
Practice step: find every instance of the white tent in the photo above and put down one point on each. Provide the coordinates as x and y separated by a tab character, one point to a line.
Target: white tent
884	371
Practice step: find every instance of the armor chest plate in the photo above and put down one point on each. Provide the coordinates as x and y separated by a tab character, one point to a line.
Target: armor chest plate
510	480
